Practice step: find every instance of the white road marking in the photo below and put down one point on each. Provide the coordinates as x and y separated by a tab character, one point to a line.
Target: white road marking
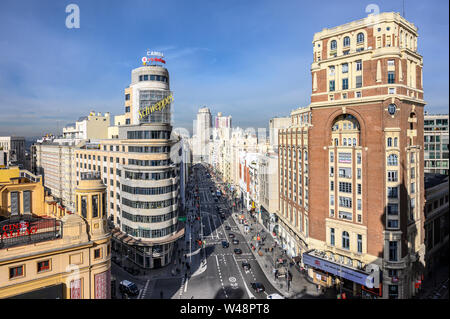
186	284
144	291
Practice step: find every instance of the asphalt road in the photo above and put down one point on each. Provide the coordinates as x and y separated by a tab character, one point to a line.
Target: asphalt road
224	276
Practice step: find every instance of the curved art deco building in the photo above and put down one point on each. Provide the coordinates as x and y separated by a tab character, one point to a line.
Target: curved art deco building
142	178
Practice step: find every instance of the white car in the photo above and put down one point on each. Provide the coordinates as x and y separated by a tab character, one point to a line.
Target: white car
275	296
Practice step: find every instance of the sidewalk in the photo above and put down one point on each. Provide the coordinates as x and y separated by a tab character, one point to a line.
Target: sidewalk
299	286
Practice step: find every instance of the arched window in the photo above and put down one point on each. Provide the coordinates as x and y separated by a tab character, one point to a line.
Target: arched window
392	160
345	240
346	41
336	142
354	142
345	142
333	45
389	142
360	37
395	141
306	155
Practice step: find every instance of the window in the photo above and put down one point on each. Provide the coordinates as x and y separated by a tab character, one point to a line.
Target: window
393	192
392	251
43	266
391	91
360	38
392	160
358	83
358	157
345	157
15	272
359	189
359	240
358	65
331	157
395	141
94	206
346	41
331	212
127	121
331	186
412	188
345	187
359	204
392	176
345	202
97	253
358	94
391	63
332	85
14	203
331	70
389	142
345	68
332	236
84	206
345	240
392	209
333	45
27	201
345	215
332	200
345	84
345	172
392	223
391	77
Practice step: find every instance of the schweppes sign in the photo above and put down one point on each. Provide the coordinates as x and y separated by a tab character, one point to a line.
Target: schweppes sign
158	106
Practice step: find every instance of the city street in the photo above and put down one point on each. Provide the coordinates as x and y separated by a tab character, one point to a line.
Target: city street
215	272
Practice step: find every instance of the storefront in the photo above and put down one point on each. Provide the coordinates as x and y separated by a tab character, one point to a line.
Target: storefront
328	273
265	218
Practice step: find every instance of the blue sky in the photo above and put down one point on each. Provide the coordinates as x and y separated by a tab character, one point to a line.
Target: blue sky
246	58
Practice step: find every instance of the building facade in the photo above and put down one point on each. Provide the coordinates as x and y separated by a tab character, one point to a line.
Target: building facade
46	253
202	136
351	164
436	221
436	143
141	176
14	148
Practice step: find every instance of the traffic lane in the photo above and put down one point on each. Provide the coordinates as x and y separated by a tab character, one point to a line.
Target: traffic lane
234	282
120	274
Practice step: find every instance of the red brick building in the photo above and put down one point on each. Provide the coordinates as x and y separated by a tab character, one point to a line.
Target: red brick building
351	163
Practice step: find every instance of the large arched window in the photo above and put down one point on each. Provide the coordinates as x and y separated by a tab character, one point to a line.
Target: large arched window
346	128
392	160
346	41
345	240
333	45
360	38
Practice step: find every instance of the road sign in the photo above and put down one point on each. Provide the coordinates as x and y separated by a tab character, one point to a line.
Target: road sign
182	218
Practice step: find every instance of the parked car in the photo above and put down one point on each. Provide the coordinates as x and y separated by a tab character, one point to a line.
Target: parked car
275	296
128	287
225	244
246	265
235	242
258	287
231	235
237	251
227	227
